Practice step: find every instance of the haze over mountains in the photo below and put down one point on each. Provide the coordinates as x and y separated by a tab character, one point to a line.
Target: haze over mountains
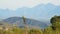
42	13
37	12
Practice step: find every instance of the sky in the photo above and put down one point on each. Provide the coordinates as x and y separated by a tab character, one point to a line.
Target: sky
14	4
12	7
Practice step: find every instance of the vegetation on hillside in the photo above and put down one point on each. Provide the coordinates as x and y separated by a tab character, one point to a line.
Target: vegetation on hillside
54	28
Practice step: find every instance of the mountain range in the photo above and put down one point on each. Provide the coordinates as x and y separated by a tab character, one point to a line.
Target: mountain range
18	21
30	22
44	11
39	15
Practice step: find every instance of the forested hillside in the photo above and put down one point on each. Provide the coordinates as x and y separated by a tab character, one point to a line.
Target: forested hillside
54	28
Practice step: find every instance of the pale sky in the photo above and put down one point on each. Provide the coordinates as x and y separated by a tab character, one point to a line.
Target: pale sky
14	4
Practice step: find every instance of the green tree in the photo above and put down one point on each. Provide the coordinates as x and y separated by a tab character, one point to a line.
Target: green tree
55	21
25	25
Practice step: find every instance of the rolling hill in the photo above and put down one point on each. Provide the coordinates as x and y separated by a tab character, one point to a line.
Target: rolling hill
30	22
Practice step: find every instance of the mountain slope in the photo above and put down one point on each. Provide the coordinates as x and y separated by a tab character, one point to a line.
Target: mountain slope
39	11
30	22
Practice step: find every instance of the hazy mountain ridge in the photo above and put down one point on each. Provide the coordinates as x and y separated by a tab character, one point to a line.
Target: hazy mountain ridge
30	22
41	10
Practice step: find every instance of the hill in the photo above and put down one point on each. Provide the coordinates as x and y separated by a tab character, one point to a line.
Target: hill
30	22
